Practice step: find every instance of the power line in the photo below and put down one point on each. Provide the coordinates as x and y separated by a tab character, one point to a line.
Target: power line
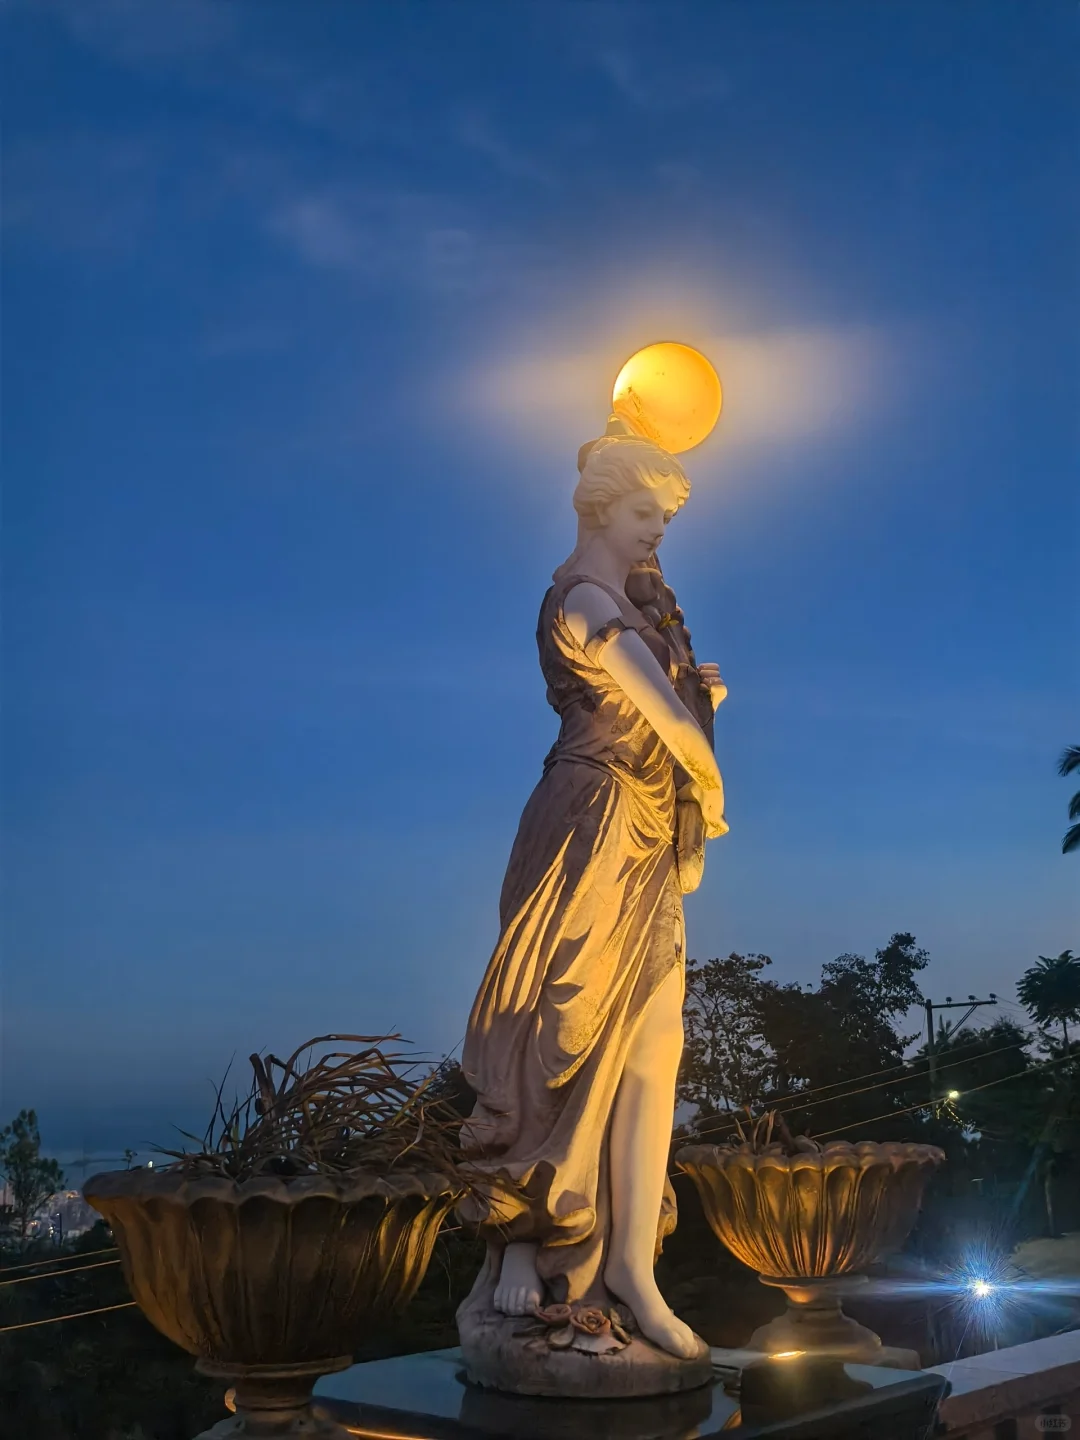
54	1274
889	1069
56	1319
60	1260
847	1094
913	1075
926	1104
918	1074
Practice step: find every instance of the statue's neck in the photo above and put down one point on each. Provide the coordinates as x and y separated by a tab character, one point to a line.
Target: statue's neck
595	561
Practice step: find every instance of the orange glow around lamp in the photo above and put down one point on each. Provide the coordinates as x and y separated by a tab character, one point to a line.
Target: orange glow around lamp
669	393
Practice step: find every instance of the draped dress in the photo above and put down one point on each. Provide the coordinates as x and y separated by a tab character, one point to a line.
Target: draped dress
591	926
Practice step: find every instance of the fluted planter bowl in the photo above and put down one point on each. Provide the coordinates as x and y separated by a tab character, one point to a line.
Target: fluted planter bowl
806	1221
272	1282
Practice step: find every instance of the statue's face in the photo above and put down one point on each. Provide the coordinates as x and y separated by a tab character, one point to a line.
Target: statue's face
635	523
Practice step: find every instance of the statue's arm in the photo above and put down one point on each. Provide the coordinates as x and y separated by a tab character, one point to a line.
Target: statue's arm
634	668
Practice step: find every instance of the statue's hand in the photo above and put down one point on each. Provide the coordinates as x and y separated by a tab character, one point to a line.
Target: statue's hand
712	810
710	678
712	807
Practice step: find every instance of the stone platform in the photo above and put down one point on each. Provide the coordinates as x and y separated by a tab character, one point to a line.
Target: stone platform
426	1397
498	1357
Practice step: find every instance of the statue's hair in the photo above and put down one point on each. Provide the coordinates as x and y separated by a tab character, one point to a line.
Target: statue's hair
615	465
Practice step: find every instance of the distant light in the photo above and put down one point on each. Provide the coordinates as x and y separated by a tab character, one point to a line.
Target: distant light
981	1289
149	1164
787	1354
669	393
954	1095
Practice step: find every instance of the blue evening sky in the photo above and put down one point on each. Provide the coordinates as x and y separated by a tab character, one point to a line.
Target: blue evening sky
308	308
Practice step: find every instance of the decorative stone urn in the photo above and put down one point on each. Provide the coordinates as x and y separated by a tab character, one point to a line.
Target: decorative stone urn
809	1219
272	1282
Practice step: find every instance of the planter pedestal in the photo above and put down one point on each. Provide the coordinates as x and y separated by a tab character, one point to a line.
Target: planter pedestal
814	1322
273	1402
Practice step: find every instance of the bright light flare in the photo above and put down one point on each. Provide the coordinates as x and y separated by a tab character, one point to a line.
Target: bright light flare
987	1298
669	393
787	1354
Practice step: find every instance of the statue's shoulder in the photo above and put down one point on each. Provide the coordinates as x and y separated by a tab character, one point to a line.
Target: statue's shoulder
554	631
588	605
582	592
551	607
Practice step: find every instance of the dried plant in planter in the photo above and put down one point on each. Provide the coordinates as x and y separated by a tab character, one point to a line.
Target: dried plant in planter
756	1136
347	1110
305	1214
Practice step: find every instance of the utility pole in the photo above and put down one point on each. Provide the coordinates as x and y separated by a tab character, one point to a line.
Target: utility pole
971	1005
931	1049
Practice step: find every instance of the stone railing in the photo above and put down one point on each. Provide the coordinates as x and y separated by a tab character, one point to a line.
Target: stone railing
1016	1394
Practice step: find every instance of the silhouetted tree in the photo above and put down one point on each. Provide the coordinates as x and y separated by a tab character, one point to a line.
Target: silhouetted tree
30	1177
847	1028
1021	1113
753	1042
1050	990
727	1064
1011	1108
1070	761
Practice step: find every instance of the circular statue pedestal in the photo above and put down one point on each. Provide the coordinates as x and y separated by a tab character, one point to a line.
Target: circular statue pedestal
505	1353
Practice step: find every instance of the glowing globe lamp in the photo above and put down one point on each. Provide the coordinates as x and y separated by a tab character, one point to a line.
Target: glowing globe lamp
669	393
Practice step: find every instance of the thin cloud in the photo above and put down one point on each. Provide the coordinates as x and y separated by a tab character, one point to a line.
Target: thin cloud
779	388
648	87
411	239
477	134
377	236
135	31
317	229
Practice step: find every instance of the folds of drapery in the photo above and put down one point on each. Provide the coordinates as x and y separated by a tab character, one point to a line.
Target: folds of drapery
591	917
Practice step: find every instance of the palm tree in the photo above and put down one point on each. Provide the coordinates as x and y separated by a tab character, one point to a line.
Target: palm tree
1070	761
1050	990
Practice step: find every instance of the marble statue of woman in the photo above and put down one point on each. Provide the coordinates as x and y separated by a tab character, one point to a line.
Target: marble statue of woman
575	1037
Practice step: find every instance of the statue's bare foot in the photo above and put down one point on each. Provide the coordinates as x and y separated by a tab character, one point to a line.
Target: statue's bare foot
519	1290
656	1320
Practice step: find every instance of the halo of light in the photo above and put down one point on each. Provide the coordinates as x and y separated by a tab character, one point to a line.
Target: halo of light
669	393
